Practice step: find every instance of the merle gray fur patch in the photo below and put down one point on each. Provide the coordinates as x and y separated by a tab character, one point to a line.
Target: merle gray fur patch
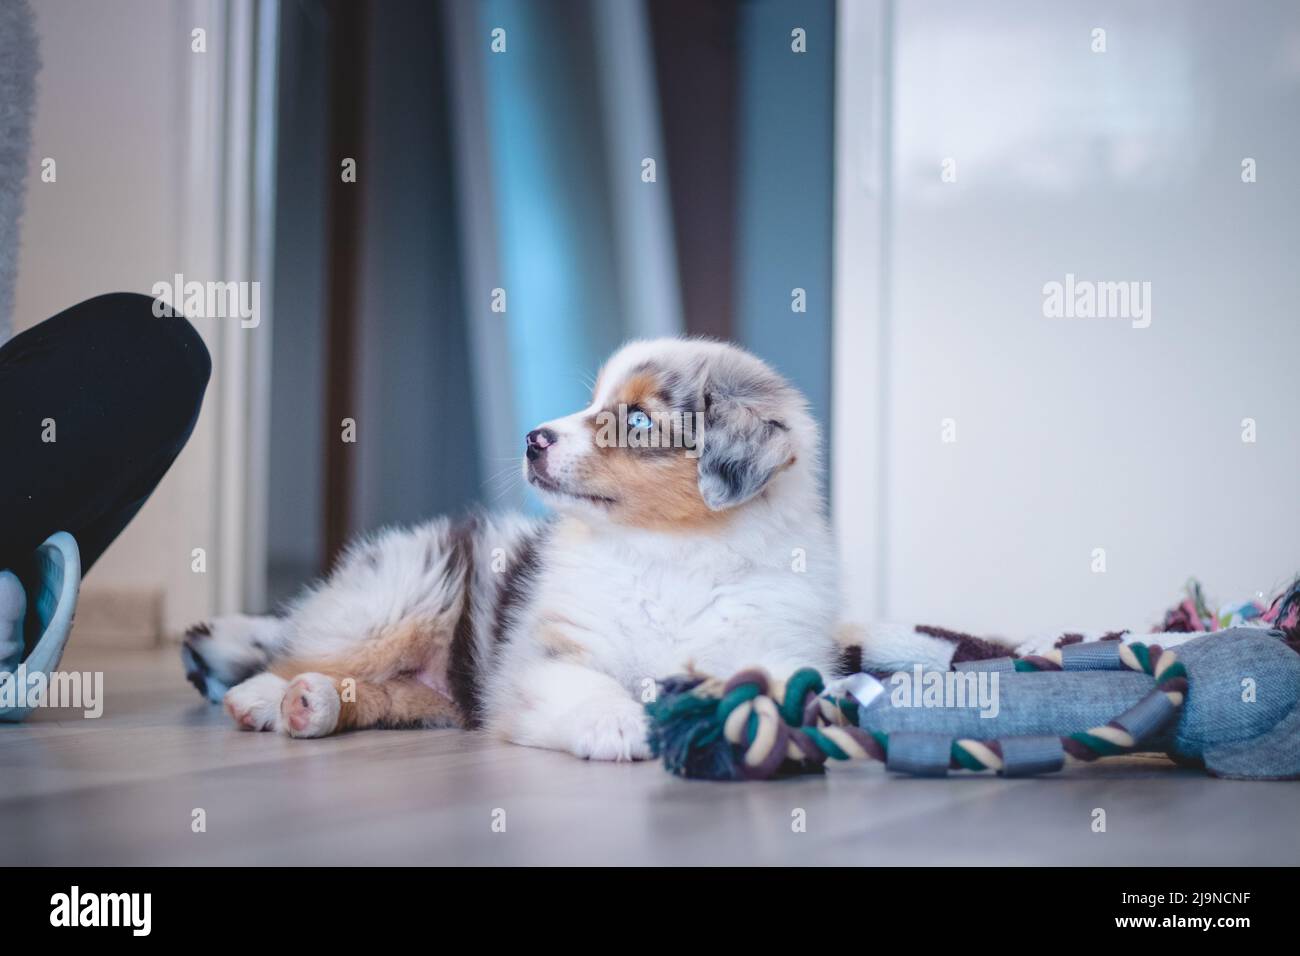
746	440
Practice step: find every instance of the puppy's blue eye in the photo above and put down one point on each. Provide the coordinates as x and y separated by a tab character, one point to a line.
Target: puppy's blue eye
638	419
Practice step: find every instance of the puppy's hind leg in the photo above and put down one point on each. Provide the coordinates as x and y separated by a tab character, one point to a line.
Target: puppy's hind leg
316	704
394	678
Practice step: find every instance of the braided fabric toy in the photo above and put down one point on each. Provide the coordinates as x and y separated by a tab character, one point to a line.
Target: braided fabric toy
771	727
1228	701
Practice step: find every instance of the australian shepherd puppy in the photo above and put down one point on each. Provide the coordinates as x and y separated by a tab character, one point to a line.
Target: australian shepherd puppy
689	534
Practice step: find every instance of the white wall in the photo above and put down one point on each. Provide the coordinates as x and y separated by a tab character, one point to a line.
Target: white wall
108	112
1072	434
113	112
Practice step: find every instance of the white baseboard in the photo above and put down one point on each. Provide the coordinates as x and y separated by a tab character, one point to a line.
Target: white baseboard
124	618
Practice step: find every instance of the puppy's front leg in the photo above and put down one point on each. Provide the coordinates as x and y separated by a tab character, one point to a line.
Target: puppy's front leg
562	705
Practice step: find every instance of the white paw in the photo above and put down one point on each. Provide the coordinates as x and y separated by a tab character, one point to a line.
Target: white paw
310	706
610	729
255	704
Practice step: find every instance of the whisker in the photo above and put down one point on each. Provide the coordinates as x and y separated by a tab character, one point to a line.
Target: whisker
504	475
505	489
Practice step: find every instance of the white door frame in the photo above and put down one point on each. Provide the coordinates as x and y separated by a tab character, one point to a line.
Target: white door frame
227	235
861	302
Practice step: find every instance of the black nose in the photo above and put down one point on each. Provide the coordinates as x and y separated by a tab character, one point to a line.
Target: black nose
539	439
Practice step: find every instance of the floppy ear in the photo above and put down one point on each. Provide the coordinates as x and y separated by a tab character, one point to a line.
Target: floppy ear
740	450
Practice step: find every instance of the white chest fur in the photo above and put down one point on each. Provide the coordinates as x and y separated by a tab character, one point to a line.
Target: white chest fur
644	606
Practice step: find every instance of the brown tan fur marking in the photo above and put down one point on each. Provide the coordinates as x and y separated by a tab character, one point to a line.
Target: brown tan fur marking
555	640
407	647
653	487
403	701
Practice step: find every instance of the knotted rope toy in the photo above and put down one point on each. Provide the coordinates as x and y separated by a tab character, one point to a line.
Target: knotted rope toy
1228	701
755	727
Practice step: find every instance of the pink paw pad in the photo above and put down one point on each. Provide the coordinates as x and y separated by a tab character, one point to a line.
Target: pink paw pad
296	707
310	706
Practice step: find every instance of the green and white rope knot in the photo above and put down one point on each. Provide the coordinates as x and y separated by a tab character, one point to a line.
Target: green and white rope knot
772	723
1112	738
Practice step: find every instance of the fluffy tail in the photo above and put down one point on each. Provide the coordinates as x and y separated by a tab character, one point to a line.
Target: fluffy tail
229	650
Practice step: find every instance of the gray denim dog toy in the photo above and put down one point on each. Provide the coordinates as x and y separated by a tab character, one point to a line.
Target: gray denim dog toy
1240	719
1228	701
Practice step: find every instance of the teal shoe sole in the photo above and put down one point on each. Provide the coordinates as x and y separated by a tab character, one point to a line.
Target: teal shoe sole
55	602
13	612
